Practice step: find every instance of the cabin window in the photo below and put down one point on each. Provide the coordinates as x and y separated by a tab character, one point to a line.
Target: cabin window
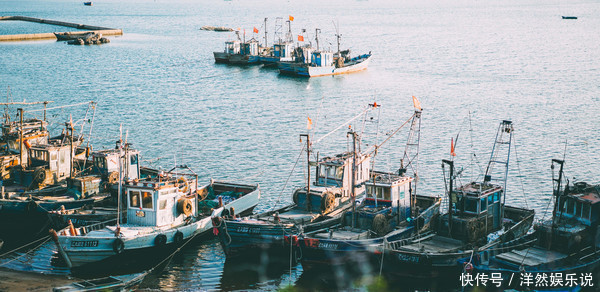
490	199
147	200
483	205
53	156
570	207
133	160
134	199
379	193
586	211
471	205
497	197
162	204
62	157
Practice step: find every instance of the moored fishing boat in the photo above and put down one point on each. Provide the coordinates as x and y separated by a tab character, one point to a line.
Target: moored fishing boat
323	63
162	213
320	204
282	49
68	36
566	244
475	211
391	210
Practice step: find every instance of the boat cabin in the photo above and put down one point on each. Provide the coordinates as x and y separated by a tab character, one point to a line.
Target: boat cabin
106	163
575	222
337	171
158	203
232	47
322	59
476	211
283	50
48	164
386	190
250	47
34	133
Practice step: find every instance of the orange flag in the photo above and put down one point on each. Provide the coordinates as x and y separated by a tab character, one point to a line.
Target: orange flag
309	123
452	153
291	18
300	38
255	30
417	104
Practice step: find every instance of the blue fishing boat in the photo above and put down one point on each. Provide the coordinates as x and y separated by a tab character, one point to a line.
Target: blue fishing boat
565	244
110	283
320	204
475	211
391	210
282	49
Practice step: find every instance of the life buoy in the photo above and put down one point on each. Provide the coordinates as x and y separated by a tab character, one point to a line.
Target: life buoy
183	184
113	177
184	206
160	240
178	237
118	246
295	196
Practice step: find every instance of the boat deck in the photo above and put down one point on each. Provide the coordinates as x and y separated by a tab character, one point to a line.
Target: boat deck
435	244
298	216
342	234
532	256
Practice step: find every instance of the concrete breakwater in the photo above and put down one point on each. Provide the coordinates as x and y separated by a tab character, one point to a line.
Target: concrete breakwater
41	36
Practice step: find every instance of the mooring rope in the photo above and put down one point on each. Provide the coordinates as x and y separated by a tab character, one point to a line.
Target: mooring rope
47	237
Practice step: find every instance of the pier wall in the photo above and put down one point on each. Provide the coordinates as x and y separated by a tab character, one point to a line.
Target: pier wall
41	36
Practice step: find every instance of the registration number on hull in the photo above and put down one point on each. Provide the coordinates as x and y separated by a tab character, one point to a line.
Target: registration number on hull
79	243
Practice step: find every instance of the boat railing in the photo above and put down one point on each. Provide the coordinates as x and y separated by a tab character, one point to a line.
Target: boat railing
81	231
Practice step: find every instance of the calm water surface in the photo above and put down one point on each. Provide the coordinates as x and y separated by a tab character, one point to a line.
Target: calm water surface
486	60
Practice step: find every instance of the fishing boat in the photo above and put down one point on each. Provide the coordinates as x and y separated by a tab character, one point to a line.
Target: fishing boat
565	244
569	17
324	63
476	212
282	50
110	283
390	211
162	213
239	52
89	3
320	204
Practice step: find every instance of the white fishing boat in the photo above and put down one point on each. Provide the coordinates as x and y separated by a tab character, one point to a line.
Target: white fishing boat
162	214
317	62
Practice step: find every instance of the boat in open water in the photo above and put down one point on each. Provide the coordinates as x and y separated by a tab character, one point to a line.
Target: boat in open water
315	63
476	210
567	243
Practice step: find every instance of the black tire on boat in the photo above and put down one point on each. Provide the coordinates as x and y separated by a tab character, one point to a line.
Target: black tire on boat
31	206
184	206
379	224
118	246
295	196
327	202
160	240
225	213
178	237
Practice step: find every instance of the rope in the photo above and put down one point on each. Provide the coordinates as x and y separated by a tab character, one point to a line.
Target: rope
288	179
520	176
47	237
60	107
340	126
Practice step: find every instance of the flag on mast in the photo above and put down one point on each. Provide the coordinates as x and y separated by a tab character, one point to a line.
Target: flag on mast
300	38
309	123
255	30
291	18
417	103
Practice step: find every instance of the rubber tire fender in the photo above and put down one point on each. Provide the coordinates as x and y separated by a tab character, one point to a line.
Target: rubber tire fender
118	246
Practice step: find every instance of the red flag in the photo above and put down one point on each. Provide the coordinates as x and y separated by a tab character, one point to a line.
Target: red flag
452	147
291	18
255	30
300	38
309	124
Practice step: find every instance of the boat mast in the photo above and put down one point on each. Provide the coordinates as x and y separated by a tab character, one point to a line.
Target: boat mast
338	36
450	190
353	186
307	167
411	155
120	176
505	127
317	30
557	188
266	45
20	110
289	34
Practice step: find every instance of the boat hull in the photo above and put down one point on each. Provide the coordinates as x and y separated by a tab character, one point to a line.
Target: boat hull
237	59
305	70
221	57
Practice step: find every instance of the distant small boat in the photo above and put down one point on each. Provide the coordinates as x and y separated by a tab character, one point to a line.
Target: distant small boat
67	36
88	3
569	17
216	28
110	283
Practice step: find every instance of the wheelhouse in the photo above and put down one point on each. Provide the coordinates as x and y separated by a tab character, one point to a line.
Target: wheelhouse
390	190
